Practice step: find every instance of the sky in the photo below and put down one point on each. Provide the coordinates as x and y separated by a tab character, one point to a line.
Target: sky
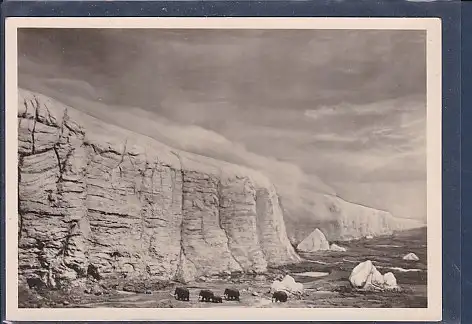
334	111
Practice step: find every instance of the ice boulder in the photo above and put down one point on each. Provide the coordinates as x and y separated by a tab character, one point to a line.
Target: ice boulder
337	248
316	241
360	273
276	286
411	257
390	281
288	284
366	276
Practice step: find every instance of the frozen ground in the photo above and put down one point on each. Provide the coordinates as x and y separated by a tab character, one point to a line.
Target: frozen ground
331	290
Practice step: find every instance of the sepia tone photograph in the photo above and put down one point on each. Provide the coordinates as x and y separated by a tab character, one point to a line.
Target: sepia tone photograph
232	168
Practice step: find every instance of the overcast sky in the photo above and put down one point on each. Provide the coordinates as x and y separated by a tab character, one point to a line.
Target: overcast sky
343	108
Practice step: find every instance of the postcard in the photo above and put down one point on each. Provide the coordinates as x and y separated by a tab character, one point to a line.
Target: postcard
223	169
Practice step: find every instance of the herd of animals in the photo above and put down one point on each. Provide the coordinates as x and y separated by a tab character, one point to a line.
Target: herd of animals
183	294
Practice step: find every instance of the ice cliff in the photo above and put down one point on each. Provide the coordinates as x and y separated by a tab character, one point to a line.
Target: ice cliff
96	198
342	220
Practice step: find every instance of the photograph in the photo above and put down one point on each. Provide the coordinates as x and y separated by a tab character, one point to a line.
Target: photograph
238	168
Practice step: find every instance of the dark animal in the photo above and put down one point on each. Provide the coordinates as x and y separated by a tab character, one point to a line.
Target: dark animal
217	299
92	271
231	294
35	283
182	294
279	296
206	295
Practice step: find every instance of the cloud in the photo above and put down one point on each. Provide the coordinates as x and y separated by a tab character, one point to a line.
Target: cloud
409	202
289	178
347	106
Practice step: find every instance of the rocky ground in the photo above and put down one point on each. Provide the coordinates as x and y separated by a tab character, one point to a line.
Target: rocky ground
323	274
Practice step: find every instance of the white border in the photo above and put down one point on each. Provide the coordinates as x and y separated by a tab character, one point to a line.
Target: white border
434	202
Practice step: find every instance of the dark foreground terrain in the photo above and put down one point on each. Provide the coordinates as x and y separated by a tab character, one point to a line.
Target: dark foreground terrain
323	274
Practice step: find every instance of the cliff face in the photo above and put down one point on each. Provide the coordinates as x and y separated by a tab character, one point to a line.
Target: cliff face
343	220
95	198
354	221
